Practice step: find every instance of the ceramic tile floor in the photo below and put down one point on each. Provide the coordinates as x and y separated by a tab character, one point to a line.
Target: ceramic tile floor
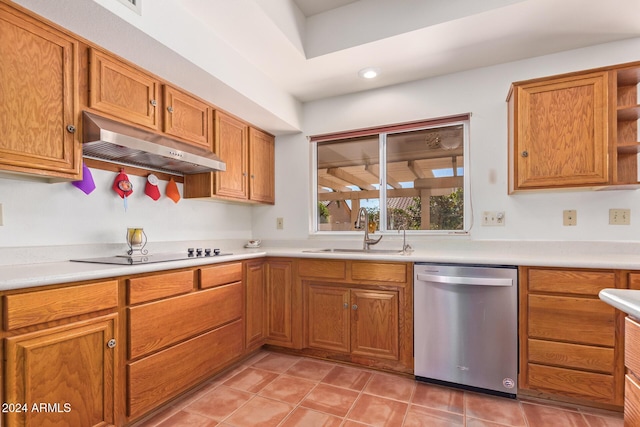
273	389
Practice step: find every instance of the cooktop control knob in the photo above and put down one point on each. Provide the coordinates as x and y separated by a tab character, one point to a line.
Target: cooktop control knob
207	252
190	252
199	252
216	251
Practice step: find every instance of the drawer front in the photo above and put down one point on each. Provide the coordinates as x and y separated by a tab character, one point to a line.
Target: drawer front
220	275
155	379
379	272
570	281
634	281
573	383
32	308
631	401
322	269
158	324
572	355
577	320
632	345
148	288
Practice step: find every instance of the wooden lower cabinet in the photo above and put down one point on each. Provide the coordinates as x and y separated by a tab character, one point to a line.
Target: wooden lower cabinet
154	380
255	304
281	302
64	376
632	379
570	342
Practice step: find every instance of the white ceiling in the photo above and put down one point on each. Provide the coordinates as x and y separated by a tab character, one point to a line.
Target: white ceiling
314	49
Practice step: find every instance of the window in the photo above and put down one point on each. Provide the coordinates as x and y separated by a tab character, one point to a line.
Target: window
409	175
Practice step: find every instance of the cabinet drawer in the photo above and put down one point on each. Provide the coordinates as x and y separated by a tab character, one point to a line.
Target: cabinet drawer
632	345
572	319
631	401
157	378
379	272
570	281
143	289
572	355
220	275
32	308
322	269
574	383
159	324
634	281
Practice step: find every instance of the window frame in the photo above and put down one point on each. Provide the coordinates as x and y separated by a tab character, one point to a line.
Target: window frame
383	132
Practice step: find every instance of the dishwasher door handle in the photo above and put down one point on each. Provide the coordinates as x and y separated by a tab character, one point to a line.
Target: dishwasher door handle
455	280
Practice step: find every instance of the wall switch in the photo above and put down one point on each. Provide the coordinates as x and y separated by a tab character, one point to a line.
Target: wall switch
279	223
492	218
570	217
619	216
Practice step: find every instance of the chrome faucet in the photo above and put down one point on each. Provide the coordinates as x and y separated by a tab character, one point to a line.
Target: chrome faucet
363	222
406	248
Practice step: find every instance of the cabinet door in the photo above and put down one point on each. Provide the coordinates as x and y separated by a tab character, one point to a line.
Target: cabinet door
122	91
327	318
231	146
561	128
186	117
374	330
71	368
255	317
38	98
261	166
279	303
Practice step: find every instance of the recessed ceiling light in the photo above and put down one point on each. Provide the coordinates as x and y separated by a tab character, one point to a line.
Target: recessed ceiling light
369	73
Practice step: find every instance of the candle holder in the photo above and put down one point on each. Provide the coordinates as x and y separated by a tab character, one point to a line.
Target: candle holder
136	240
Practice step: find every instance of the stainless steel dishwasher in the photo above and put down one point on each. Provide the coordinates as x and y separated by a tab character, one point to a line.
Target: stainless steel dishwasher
466	326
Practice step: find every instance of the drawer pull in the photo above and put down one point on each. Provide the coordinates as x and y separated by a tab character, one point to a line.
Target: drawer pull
111	343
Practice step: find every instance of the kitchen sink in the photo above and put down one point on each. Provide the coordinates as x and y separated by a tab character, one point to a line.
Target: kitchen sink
356	251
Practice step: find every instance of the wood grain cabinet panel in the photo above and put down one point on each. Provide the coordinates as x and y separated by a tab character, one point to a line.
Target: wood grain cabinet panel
379	271
559	135
187	117
327	318
70	366
155	379
33	308
570	342
39	98
279	304
122	91
374	331
632	345
255	304
162	323
631	401
220	274
156	286
231	145
261	166
322	269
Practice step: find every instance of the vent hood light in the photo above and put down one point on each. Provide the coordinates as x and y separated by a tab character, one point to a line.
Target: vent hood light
115	142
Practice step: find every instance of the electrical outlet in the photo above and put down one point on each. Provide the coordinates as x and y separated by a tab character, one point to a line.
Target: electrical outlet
492	218
279	223
570	217
619	216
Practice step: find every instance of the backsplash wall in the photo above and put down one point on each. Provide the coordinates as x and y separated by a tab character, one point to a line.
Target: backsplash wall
36	213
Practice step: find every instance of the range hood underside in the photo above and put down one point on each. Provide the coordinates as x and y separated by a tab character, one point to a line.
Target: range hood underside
111	141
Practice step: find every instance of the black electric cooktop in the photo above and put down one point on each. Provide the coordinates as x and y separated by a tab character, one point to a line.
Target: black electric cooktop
150	259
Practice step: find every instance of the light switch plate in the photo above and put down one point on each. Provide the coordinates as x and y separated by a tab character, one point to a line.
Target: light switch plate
570	217
279	223
493	218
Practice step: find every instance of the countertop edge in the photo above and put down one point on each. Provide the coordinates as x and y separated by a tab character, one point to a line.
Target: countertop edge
626	300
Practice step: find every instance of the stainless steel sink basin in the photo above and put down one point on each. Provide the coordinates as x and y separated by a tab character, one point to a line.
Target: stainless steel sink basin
356	251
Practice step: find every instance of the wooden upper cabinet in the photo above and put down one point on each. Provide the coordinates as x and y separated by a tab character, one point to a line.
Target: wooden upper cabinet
558	132
186	117
231	145
38	98
122	91
261	166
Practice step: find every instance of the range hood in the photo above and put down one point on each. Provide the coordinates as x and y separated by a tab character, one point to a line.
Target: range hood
111	141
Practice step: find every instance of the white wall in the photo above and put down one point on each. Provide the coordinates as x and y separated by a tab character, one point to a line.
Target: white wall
36	213
482	92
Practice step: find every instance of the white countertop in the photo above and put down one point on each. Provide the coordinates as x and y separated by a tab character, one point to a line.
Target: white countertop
617	255
627	300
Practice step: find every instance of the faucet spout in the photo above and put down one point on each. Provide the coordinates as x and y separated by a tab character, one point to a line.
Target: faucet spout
363	222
